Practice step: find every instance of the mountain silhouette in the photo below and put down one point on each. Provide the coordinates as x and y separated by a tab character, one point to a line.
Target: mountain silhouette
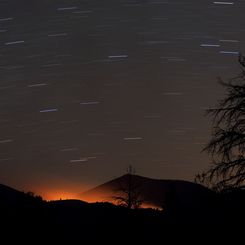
11	198
73	221
153	192
9	194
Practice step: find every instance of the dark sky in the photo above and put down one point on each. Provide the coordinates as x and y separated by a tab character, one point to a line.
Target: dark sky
89	87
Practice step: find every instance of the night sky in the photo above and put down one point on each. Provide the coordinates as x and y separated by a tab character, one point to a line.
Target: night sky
88	87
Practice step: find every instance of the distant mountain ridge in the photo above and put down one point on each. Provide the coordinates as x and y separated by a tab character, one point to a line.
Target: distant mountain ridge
9	195
12	198
152	191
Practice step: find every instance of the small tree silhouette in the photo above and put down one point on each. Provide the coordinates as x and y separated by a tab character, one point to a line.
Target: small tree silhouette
128	191
33	196
227	145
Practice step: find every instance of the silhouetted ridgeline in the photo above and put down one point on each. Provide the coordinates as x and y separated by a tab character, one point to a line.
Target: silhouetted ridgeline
75	220
153	192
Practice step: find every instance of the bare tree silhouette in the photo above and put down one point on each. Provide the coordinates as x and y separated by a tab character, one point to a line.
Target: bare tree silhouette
128	191
227	145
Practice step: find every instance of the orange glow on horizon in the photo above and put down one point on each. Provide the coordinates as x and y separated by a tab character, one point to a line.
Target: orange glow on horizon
66	194
97	198
50	194
59	195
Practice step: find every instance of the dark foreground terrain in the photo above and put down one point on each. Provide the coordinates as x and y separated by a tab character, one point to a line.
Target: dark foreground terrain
24	216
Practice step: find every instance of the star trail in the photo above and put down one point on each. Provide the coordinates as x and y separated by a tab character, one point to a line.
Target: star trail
88	87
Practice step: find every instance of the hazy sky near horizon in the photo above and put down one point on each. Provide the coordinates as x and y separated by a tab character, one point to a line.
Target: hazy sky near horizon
88	87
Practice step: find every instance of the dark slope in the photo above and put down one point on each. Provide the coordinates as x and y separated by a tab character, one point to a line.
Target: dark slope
153	191
11	198
74	221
